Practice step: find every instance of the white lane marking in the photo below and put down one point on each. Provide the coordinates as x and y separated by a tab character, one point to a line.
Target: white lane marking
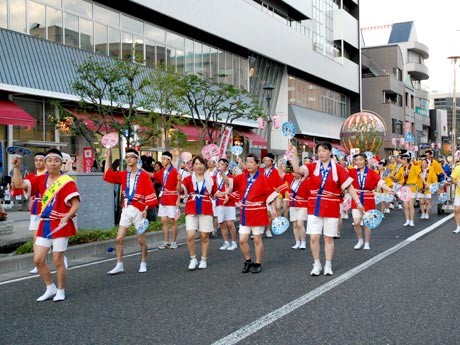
286	309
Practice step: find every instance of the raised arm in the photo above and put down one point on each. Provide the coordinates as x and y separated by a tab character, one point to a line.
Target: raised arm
17	180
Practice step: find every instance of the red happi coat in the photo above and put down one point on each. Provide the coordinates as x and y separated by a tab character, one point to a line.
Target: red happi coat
366	195
329	201
143	196
194	196
60	207
300	199
35	199
274	179
254	209
221	187
169	193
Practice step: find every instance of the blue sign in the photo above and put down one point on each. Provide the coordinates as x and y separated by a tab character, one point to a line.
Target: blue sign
409	138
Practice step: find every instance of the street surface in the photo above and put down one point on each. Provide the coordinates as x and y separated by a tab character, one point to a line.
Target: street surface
404	292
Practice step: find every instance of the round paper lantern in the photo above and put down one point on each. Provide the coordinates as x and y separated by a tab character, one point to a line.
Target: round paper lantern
364	130
276	121
262	123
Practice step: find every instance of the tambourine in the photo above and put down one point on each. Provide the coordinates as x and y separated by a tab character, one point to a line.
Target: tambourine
434	187
405	193
372	218
288	129
143	226
237	150
110	140
280	225
18	151
210	151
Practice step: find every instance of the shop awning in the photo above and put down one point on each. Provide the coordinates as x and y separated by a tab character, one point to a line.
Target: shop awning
310	143
89	119
255	139
338	147
194	133
12	114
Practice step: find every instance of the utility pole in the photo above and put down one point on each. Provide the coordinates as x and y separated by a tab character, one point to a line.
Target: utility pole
454	107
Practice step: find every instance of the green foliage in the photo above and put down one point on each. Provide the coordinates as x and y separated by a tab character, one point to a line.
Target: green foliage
96	235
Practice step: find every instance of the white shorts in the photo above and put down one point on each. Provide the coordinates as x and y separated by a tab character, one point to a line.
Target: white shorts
457	200
298	213
167	211
424	196
34	222
59	244
246	230
130	215
224	213
322	225
355	213
200	222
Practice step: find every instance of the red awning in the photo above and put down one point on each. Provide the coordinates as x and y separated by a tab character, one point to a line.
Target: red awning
89	119
254	138
194	133
12	114
308	142
338	147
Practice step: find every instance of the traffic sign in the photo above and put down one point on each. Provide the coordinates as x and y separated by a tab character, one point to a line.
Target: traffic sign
409	138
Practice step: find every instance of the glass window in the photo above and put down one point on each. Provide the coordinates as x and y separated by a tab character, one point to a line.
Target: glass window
139	50
55	3
189	60
86	34
228	68
214	62
126	46
3	15
180	60
198	58
106	16
114	42
150	58
37	25
100	39
244	74
154	33
161	55
70	30
174	41
171	58
132	25
54	25
206	65
81	7
18	15
236	71
221	59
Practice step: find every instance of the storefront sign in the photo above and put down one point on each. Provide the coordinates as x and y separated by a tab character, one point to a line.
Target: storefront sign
88	159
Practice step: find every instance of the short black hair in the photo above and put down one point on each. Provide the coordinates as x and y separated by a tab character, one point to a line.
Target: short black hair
253	155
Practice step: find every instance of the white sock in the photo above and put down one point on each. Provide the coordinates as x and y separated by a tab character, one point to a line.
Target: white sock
119	264
193	257
328	263
203	259
317	262
234	242
51	287
227	243
297	243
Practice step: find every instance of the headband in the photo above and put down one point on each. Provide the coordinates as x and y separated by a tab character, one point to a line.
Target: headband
55	155
39	156
165	156
132	153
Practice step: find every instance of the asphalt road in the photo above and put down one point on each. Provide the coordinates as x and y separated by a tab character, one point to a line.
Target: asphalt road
407	295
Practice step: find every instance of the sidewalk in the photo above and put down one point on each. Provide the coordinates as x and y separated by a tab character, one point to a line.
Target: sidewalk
14	266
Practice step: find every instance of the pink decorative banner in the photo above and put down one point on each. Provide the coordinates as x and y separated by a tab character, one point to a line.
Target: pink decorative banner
226	134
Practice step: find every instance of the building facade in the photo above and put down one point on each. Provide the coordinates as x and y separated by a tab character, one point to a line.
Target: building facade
392	76
308	51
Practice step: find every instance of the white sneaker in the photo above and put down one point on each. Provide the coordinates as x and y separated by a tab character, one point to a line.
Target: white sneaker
60	295
268	233
50	292
328	270
143	267
164	245
303	245
296	245
406	223
316	271
118	269
422	216
173	245
225	246
34	270
193	264
366	246
387	210
411	223
358	245
203	264
232	246
400	207
392	206
427	216
456	231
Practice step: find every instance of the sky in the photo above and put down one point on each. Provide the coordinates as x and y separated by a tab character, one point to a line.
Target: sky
436	25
